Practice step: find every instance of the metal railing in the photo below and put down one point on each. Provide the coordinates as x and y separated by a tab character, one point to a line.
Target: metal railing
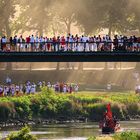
70	46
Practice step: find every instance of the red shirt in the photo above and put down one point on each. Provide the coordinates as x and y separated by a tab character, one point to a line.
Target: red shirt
28	40
63	41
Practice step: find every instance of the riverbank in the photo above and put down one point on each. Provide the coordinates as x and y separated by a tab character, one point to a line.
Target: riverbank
50	107
75	131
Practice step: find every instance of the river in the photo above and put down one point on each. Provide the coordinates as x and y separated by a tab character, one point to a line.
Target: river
73	131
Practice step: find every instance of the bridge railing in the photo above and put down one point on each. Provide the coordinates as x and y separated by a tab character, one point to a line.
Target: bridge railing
69	46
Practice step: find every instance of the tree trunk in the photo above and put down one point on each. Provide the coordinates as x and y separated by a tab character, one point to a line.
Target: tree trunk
67	65
58	66
40	30
120	65
137	68
68	28
8	30
110	30
81	66
115	65
8	66
54	31
30	66
68	31
106	66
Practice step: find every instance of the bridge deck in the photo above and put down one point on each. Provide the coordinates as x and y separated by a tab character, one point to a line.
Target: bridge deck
69	56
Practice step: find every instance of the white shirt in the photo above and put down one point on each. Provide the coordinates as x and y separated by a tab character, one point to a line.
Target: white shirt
1	89
17	88
65	89
4	40
85	39
33	88
32	40
37	39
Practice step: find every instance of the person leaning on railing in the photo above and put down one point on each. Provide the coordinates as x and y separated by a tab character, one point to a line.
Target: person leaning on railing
71	43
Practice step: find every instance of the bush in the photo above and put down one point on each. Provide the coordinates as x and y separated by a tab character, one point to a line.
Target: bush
49	105
92	138
35	107
22	108
117	110
133	109
23	134
127	136
95	111
6	111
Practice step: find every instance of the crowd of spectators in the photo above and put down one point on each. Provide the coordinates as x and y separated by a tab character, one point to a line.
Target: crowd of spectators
28	88
70	43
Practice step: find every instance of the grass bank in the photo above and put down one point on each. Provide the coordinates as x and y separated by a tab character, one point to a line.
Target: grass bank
49	105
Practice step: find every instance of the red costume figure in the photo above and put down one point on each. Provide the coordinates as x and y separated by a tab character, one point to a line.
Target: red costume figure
109	122
109	112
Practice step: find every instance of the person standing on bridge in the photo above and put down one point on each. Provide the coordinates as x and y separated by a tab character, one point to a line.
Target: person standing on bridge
27	43
1	91
63	43
115	43
21	42
54	40
32	41
36	43
3	42
94	44
15	40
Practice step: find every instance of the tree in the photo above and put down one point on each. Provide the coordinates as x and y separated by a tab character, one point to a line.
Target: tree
34	16
7	11
134	12
115	18
66	14
90	15
96	16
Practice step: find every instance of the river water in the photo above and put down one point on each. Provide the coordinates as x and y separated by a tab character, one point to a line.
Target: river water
72	131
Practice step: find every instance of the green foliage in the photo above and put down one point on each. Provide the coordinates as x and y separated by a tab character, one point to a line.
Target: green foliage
92	138
22	107
120	136
6	111
49	105
23	134
95	111
127	136
133	109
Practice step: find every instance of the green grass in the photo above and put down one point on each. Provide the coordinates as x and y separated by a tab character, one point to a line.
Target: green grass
120	136
118	97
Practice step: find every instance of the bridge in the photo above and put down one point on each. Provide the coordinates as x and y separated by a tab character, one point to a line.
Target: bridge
70	52
70	56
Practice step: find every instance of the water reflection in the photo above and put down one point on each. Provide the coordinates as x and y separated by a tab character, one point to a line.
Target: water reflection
72	131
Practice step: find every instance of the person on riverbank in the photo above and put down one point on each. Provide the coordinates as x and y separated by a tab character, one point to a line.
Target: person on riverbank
137	89
1	91
32	88
8	81
76	88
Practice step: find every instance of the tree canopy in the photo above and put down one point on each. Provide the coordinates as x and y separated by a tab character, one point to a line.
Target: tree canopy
52	16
